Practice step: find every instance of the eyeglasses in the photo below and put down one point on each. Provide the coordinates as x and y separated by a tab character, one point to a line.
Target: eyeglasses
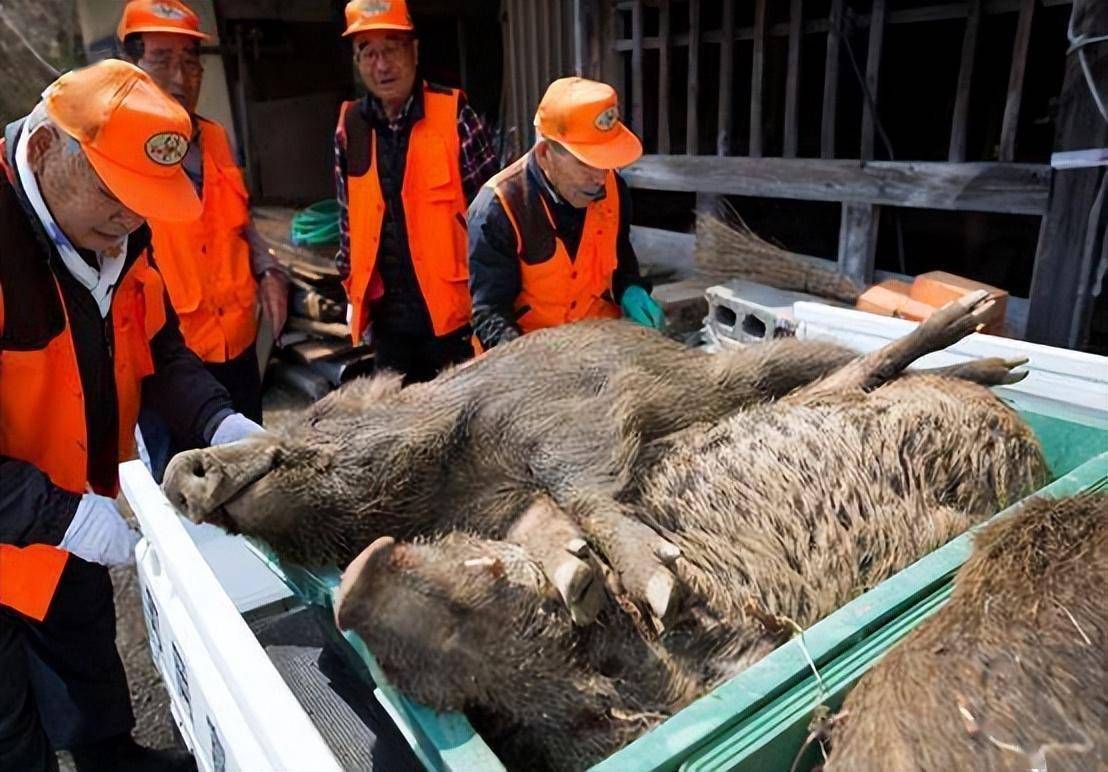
390	51
164	66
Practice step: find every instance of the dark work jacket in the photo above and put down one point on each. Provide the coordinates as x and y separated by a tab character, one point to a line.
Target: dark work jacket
32	509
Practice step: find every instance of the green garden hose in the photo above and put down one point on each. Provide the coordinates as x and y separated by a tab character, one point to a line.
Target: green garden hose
317	225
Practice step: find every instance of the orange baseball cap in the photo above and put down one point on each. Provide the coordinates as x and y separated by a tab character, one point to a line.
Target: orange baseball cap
134	135
366	15
583	116
159	16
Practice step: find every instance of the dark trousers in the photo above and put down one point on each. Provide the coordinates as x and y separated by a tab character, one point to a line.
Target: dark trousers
241	379
420	357
62	684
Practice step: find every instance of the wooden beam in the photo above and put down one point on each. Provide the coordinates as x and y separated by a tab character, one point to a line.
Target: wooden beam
873	71
858	241
959	122
636	68
831	82
792	80
580	38
692	123
1015	82
663	77
1072	241
980	186
726	77
756	78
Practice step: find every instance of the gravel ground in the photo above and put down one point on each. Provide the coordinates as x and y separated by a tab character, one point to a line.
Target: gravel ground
153	722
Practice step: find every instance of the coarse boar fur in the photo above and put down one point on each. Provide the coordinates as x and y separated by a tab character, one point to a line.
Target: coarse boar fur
1010	674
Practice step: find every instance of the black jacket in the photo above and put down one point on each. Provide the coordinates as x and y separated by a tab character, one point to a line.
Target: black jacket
32	509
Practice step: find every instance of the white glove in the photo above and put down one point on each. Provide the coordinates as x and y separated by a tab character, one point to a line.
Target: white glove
99	534
233	428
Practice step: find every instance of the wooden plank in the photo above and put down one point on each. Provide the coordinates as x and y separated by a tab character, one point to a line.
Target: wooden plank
960	120
516	145
979	186
1015	82
534	80
756	78
831	82
541	11
1068	253
858	241
726	77
580	38
663	77
792	80
873	71
692	122
636	68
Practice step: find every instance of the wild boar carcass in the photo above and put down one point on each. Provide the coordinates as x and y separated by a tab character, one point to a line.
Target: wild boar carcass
782	513
1010	674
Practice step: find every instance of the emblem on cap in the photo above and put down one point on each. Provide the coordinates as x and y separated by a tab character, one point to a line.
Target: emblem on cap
167	148
607	119
167	11
375	7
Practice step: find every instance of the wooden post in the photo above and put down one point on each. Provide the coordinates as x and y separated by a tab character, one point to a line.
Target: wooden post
579	38
1074	238
792	82
965	76
1015	82
831	82
873	71
663	77
858	241
726	77
756	78
636	67
692	123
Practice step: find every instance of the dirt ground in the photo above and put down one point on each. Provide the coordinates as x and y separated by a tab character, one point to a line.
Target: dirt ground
153	722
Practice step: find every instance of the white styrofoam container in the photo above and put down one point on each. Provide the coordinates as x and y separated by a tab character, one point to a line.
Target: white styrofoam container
230	704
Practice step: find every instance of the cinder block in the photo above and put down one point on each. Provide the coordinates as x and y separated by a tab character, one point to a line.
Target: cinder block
746	312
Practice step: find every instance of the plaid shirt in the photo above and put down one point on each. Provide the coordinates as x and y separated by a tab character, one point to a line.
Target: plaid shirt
477	161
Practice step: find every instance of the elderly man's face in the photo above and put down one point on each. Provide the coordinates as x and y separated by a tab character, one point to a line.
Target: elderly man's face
386	60
173	62
82	206
576	182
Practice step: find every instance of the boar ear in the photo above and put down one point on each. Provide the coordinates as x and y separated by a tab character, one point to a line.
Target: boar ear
357	396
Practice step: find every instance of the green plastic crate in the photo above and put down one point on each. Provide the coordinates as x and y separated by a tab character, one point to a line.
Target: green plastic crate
759	719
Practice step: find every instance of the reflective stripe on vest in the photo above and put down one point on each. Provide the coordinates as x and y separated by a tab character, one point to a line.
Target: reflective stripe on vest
206	263
434	216
560	290
29	576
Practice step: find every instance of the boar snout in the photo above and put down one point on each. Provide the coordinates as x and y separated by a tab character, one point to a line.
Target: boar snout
200	482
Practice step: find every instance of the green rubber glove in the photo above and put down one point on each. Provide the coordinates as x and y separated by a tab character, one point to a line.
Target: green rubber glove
639	307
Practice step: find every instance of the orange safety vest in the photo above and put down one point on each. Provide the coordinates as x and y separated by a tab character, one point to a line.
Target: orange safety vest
206	263
434	214
42	417
558	290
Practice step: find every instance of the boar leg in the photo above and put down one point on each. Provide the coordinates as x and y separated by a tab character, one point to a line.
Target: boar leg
640	557
992	371
555	542
945	327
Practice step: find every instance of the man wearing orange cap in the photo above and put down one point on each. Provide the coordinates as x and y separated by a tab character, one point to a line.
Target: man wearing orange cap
86	335
408	158
215	267
549	237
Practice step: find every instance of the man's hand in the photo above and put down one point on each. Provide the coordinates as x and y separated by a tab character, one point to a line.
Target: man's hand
273	291
99	534
639	307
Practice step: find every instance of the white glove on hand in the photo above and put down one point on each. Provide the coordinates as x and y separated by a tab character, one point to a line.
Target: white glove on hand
99	534
233	428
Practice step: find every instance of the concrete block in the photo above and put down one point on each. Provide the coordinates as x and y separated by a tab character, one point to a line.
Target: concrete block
746	312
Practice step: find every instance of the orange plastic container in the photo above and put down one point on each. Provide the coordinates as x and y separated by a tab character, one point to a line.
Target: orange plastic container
937	288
